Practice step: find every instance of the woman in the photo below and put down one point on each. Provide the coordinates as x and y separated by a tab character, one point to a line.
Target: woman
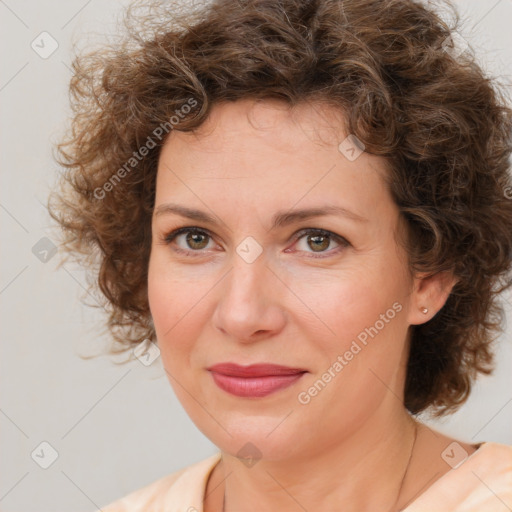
306	206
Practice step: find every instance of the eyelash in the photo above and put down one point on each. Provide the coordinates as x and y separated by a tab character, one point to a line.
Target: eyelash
307	231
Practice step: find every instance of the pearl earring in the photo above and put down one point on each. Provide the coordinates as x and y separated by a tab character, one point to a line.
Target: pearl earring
424	310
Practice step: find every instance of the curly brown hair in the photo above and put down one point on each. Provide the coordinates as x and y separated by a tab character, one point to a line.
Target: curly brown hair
442	125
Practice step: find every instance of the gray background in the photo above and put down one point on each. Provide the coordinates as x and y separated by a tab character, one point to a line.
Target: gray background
116	427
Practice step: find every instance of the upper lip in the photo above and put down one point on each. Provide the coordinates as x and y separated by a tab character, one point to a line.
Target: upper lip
254	370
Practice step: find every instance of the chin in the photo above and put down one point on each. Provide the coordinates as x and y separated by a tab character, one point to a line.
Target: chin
256	435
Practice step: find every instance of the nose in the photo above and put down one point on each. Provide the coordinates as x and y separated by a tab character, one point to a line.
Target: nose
250	306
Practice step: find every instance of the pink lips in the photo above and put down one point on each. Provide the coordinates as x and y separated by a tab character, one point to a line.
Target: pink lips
254	381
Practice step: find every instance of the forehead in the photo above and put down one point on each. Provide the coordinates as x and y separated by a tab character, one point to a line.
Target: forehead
271	121
266	155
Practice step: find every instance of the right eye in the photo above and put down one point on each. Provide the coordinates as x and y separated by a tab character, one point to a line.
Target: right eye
193	241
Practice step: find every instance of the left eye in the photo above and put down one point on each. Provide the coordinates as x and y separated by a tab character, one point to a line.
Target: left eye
319	240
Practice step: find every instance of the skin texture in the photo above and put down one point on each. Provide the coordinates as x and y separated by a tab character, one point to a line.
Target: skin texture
248	161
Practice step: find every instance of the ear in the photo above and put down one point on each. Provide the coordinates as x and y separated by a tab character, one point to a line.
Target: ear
431	292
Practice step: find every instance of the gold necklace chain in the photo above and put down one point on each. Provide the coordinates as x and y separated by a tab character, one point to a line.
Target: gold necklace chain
392	509
406	469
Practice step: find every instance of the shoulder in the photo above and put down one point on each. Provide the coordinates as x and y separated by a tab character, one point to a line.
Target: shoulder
480	483
495	452
182	490
493	469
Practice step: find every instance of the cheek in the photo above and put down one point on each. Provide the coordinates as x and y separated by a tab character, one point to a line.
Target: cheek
363	361
375	321
168	302
343	304
169	294
160	298
179	310
363	341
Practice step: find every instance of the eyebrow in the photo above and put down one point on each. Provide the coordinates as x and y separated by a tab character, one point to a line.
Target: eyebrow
280	219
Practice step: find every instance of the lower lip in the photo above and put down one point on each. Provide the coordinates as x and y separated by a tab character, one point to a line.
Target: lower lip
254	387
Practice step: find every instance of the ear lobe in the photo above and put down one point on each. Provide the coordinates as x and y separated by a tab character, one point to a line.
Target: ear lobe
431	292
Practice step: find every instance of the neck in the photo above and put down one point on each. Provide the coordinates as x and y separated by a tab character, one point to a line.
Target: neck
375	456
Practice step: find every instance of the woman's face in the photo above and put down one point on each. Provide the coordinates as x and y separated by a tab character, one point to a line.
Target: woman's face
247	290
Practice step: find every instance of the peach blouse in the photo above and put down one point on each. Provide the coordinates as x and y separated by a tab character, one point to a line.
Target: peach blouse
482	483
